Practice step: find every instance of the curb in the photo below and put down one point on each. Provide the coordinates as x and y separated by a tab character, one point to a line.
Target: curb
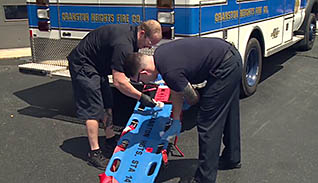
15	53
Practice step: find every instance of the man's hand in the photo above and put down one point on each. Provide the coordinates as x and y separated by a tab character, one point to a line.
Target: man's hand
123	85
147	101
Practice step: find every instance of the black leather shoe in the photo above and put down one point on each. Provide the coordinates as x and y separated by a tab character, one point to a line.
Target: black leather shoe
188	180
223	165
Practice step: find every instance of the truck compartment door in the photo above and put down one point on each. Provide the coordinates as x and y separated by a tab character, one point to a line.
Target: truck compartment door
210	18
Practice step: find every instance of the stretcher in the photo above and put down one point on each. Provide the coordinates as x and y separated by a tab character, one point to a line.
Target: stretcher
144	143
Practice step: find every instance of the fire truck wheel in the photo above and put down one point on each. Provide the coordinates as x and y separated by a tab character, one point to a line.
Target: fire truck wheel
310	31
252	68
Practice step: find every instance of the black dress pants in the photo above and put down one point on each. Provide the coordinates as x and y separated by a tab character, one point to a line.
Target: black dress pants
219	114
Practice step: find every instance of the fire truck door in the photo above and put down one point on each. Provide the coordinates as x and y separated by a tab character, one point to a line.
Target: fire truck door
210	18
289	19
230	20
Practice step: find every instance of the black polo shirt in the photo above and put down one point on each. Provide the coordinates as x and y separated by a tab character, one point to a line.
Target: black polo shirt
105	48
189	60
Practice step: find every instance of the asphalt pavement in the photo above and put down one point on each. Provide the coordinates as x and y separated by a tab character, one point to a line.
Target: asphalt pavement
42	141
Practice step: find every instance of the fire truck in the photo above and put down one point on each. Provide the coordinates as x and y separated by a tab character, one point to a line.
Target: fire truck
257	28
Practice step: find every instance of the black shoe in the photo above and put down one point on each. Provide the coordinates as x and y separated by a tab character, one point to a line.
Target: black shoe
189	180
110	145
97	159
224	165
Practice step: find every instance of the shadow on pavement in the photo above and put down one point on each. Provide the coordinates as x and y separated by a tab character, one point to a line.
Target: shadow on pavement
273	64
55	100
79	146
50	100
180	168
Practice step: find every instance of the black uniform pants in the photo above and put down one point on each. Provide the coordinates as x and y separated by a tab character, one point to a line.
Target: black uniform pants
219	114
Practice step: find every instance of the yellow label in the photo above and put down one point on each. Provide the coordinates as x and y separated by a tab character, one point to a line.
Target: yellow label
100	17
243	13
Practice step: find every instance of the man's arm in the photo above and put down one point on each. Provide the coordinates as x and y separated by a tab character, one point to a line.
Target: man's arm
177	102
121	82
123	85
188	94
191	96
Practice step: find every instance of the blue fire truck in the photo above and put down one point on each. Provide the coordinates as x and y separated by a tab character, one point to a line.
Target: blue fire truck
258	28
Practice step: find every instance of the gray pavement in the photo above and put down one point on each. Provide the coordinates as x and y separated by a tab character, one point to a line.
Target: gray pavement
41	140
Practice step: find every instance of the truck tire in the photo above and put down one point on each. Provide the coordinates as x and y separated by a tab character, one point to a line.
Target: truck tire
252	68
309	33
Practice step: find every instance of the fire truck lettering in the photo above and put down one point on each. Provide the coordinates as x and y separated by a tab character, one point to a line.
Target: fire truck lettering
247	12
224	16
231	15
265	9
135	18
83	17
259	10
123	18
102	17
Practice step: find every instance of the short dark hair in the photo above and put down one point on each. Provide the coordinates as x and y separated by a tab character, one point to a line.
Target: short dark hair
132	64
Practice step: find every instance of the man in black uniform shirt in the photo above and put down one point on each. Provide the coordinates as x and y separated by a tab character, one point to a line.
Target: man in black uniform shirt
101	53
192	61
